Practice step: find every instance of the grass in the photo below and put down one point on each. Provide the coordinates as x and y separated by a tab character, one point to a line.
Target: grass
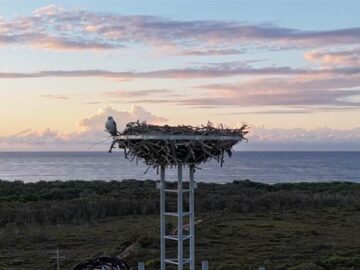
323	239
307	226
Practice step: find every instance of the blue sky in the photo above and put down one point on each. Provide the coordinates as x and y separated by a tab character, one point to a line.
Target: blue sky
307	15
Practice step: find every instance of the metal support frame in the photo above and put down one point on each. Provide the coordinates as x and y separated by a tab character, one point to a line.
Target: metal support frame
141	266
162	218
180	220
181	260
192	216
58	258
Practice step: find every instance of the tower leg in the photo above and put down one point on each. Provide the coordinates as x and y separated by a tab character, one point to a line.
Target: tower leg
162	218
192	217
180	219
205	265
141	266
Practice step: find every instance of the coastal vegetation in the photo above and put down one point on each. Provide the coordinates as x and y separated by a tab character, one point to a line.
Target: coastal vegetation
240	225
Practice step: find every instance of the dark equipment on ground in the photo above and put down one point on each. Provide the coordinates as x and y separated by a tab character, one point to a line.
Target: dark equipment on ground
103	263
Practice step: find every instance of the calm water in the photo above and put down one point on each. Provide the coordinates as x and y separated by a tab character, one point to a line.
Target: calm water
268	167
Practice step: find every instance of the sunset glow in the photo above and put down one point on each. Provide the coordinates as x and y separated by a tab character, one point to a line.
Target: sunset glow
294	79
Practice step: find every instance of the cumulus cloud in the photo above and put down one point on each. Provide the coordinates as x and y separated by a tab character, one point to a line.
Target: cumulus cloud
63	29
91	131
96	122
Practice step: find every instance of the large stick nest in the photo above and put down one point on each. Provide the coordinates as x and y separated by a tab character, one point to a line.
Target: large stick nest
164	152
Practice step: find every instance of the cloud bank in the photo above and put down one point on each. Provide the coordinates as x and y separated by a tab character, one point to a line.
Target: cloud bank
192	72
55	28
260	138
299	139
279	86
350	57
329	81
301	90
91	131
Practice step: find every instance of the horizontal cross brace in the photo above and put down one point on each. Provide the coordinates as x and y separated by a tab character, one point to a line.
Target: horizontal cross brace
175	261
176	214
175	190
176	237
158	186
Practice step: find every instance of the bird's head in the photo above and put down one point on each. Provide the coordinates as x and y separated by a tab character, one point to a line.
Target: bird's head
110	118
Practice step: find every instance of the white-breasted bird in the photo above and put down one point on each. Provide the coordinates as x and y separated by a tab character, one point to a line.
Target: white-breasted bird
111	126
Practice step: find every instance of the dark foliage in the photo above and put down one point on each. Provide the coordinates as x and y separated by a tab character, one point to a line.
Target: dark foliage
79	201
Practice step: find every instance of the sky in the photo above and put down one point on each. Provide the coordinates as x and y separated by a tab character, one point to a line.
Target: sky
288	69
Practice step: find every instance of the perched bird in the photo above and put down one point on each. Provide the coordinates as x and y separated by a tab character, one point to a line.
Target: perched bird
111	126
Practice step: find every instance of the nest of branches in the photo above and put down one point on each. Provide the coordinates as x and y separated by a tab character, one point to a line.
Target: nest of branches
174	145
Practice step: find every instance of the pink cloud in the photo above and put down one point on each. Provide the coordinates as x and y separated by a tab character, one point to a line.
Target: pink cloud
349	57
226	69
50	10
137	93
260	138
58	97
91	131
61	29
207	52
96	122
301	135
56	43
302	90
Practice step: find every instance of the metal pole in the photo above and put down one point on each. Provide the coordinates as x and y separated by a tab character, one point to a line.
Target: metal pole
192	217
180	219
141	266
162	218
204	265
57	259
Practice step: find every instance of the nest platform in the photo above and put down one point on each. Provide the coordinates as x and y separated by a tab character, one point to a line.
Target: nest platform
175	145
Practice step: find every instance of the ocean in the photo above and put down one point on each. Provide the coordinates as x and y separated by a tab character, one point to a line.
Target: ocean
266	167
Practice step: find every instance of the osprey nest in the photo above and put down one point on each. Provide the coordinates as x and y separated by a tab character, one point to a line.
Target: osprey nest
175	145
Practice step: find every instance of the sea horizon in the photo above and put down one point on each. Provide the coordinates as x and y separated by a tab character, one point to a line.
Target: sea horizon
258	166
